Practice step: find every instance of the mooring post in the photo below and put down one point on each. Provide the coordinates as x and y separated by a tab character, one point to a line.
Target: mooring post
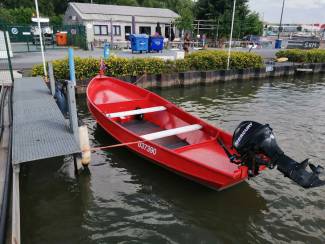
72	109
71	66
73	117
51	76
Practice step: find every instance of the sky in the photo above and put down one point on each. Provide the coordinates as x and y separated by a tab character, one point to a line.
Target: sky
295	11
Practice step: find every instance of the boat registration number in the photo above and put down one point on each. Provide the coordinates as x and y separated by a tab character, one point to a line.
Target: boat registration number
147	148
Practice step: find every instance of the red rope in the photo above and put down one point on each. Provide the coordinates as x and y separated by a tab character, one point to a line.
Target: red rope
120	145
112	146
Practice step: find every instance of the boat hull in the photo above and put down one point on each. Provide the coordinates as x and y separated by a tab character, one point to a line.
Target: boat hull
170	159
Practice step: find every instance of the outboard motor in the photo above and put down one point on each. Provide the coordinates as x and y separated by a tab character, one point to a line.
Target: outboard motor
257	146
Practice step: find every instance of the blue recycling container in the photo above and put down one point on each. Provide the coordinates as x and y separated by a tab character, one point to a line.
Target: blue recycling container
139	43
278	43
156	43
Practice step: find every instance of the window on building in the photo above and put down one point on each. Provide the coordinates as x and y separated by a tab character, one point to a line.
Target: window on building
116	30
127	31
100	30
145	30
73	17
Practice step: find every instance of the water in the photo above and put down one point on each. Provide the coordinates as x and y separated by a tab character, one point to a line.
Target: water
126	199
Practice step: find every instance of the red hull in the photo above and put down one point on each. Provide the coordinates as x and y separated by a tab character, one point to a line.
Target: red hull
195	154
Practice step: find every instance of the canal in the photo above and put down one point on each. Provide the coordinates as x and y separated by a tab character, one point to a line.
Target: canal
126	199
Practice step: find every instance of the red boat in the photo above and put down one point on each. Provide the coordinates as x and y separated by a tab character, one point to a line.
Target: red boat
163	133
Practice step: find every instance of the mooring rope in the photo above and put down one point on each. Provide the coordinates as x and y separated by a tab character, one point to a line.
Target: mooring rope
93	149
140	78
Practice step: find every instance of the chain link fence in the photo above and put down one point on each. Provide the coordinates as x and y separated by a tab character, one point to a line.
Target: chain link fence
25	38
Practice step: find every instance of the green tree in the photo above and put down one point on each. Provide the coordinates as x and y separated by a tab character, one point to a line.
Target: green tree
16	15
56	20
22	15
185	10
5	16
220	11
57	7
253	24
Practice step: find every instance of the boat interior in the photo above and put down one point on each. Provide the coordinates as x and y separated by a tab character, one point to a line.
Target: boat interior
153	118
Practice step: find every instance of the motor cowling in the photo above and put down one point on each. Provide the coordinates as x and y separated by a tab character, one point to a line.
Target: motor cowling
257	146
251	136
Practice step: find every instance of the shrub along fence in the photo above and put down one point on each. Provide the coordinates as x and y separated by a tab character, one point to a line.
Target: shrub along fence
118	66
203	67
303	56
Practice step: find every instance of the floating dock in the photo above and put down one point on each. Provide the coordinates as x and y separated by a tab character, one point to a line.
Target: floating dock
39	131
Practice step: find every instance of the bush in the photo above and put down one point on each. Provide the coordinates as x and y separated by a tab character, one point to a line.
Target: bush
214	60
303	56
118	66
181	65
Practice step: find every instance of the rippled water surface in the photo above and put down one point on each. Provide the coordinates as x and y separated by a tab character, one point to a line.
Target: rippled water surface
126	199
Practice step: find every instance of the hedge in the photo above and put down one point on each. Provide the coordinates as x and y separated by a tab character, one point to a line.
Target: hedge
303	56
119	66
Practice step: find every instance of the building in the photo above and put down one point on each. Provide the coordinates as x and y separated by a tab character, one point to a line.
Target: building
290	29
100	20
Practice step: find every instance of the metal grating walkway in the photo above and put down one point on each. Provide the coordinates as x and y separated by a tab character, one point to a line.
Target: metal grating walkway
39	128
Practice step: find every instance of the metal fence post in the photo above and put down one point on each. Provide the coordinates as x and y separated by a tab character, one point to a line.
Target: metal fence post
51	76
28	46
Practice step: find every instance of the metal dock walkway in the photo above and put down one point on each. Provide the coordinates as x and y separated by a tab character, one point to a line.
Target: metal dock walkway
39	131
39	128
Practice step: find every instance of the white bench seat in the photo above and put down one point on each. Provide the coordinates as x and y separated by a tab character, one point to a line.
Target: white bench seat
171	132
136	111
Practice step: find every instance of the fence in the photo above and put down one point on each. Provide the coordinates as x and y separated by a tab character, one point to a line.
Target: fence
25	38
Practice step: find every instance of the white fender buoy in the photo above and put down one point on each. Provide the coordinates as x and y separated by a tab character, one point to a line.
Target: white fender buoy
84	145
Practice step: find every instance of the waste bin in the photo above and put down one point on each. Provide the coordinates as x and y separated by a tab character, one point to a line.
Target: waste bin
139	43
156	43
278	43
61	38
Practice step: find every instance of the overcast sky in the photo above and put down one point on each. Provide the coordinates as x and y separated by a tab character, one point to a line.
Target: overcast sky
295	11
